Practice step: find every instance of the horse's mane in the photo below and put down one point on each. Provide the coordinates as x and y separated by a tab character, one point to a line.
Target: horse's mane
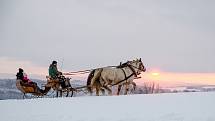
122	65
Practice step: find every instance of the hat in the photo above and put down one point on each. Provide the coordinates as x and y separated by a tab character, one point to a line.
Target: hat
54	62
21	70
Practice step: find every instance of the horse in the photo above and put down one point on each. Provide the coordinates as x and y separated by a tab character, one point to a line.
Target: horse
120	75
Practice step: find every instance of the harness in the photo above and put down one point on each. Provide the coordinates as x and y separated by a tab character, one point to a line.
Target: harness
127	77
123	79
121	66
132	69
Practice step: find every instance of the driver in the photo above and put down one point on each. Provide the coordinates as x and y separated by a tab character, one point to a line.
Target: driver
56	75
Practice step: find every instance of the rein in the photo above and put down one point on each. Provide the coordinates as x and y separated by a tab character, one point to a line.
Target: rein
84	71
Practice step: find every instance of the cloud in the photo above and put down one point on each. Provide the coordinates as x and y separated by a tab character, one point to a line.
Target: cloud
91	34
11	65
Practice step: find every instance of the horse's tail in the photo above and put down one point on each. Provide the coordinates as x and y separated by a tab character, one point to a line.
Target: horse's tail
93	77
89	80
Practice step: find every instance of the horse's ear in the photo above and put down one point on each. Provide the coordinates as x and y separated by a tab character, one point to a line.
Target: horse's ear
140	59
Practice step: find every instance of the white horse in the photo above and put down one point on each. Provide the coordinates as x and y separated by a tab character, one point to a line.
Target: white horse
121	75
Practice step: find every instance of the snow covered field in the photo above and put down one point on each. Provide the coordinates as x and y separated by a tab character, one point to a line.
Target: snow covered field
199	106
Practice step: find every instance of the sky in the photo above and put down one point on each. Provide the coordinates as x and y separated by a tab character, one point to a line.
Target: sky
170	36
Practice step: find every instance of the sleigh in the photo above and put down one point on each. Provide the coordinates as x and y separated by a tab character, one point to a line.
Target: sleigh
55	85
26	89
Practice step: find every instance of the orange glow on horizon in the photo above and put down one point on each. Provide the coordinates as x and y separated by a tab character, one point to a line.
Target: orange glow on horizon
171	78
9	66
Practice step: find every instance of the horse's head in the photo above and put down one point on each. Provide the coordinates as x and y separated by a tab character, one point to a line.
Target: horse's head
138	65
141	66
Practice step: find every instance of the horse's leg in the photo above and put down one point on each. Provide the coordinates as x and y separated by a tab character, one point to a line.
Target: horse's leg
103	91
126	89
100	88
97	91
97	86
91	91
57	87
134	86
23	97
61	93
109	90
119	88
56	93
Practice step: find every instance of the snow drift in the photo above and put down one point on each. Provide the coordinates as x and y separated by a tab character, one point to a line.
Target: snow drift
197	106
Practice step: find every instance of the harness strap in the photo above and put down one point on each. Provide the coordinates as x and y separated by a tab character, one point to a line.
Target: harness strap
123	72
124	79
132	69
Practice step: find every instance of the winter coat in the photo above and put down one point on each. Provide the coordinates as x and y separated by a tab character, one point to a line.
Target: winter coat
20	76
53	71
26	79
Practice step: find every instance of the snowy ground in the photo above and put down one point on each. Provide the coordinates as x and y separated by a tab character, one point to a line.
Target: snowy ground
155	107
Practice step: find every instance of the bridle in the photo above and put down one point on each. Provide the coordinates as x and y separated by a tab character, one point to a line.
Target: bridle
140	68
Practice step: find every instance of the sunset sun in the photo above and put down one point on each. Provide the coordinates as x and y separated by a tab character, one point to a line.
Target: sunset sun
155	74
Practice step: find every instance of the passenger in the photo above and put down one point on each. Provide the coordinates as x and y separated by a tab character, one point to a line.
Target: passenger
25	81
20	75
